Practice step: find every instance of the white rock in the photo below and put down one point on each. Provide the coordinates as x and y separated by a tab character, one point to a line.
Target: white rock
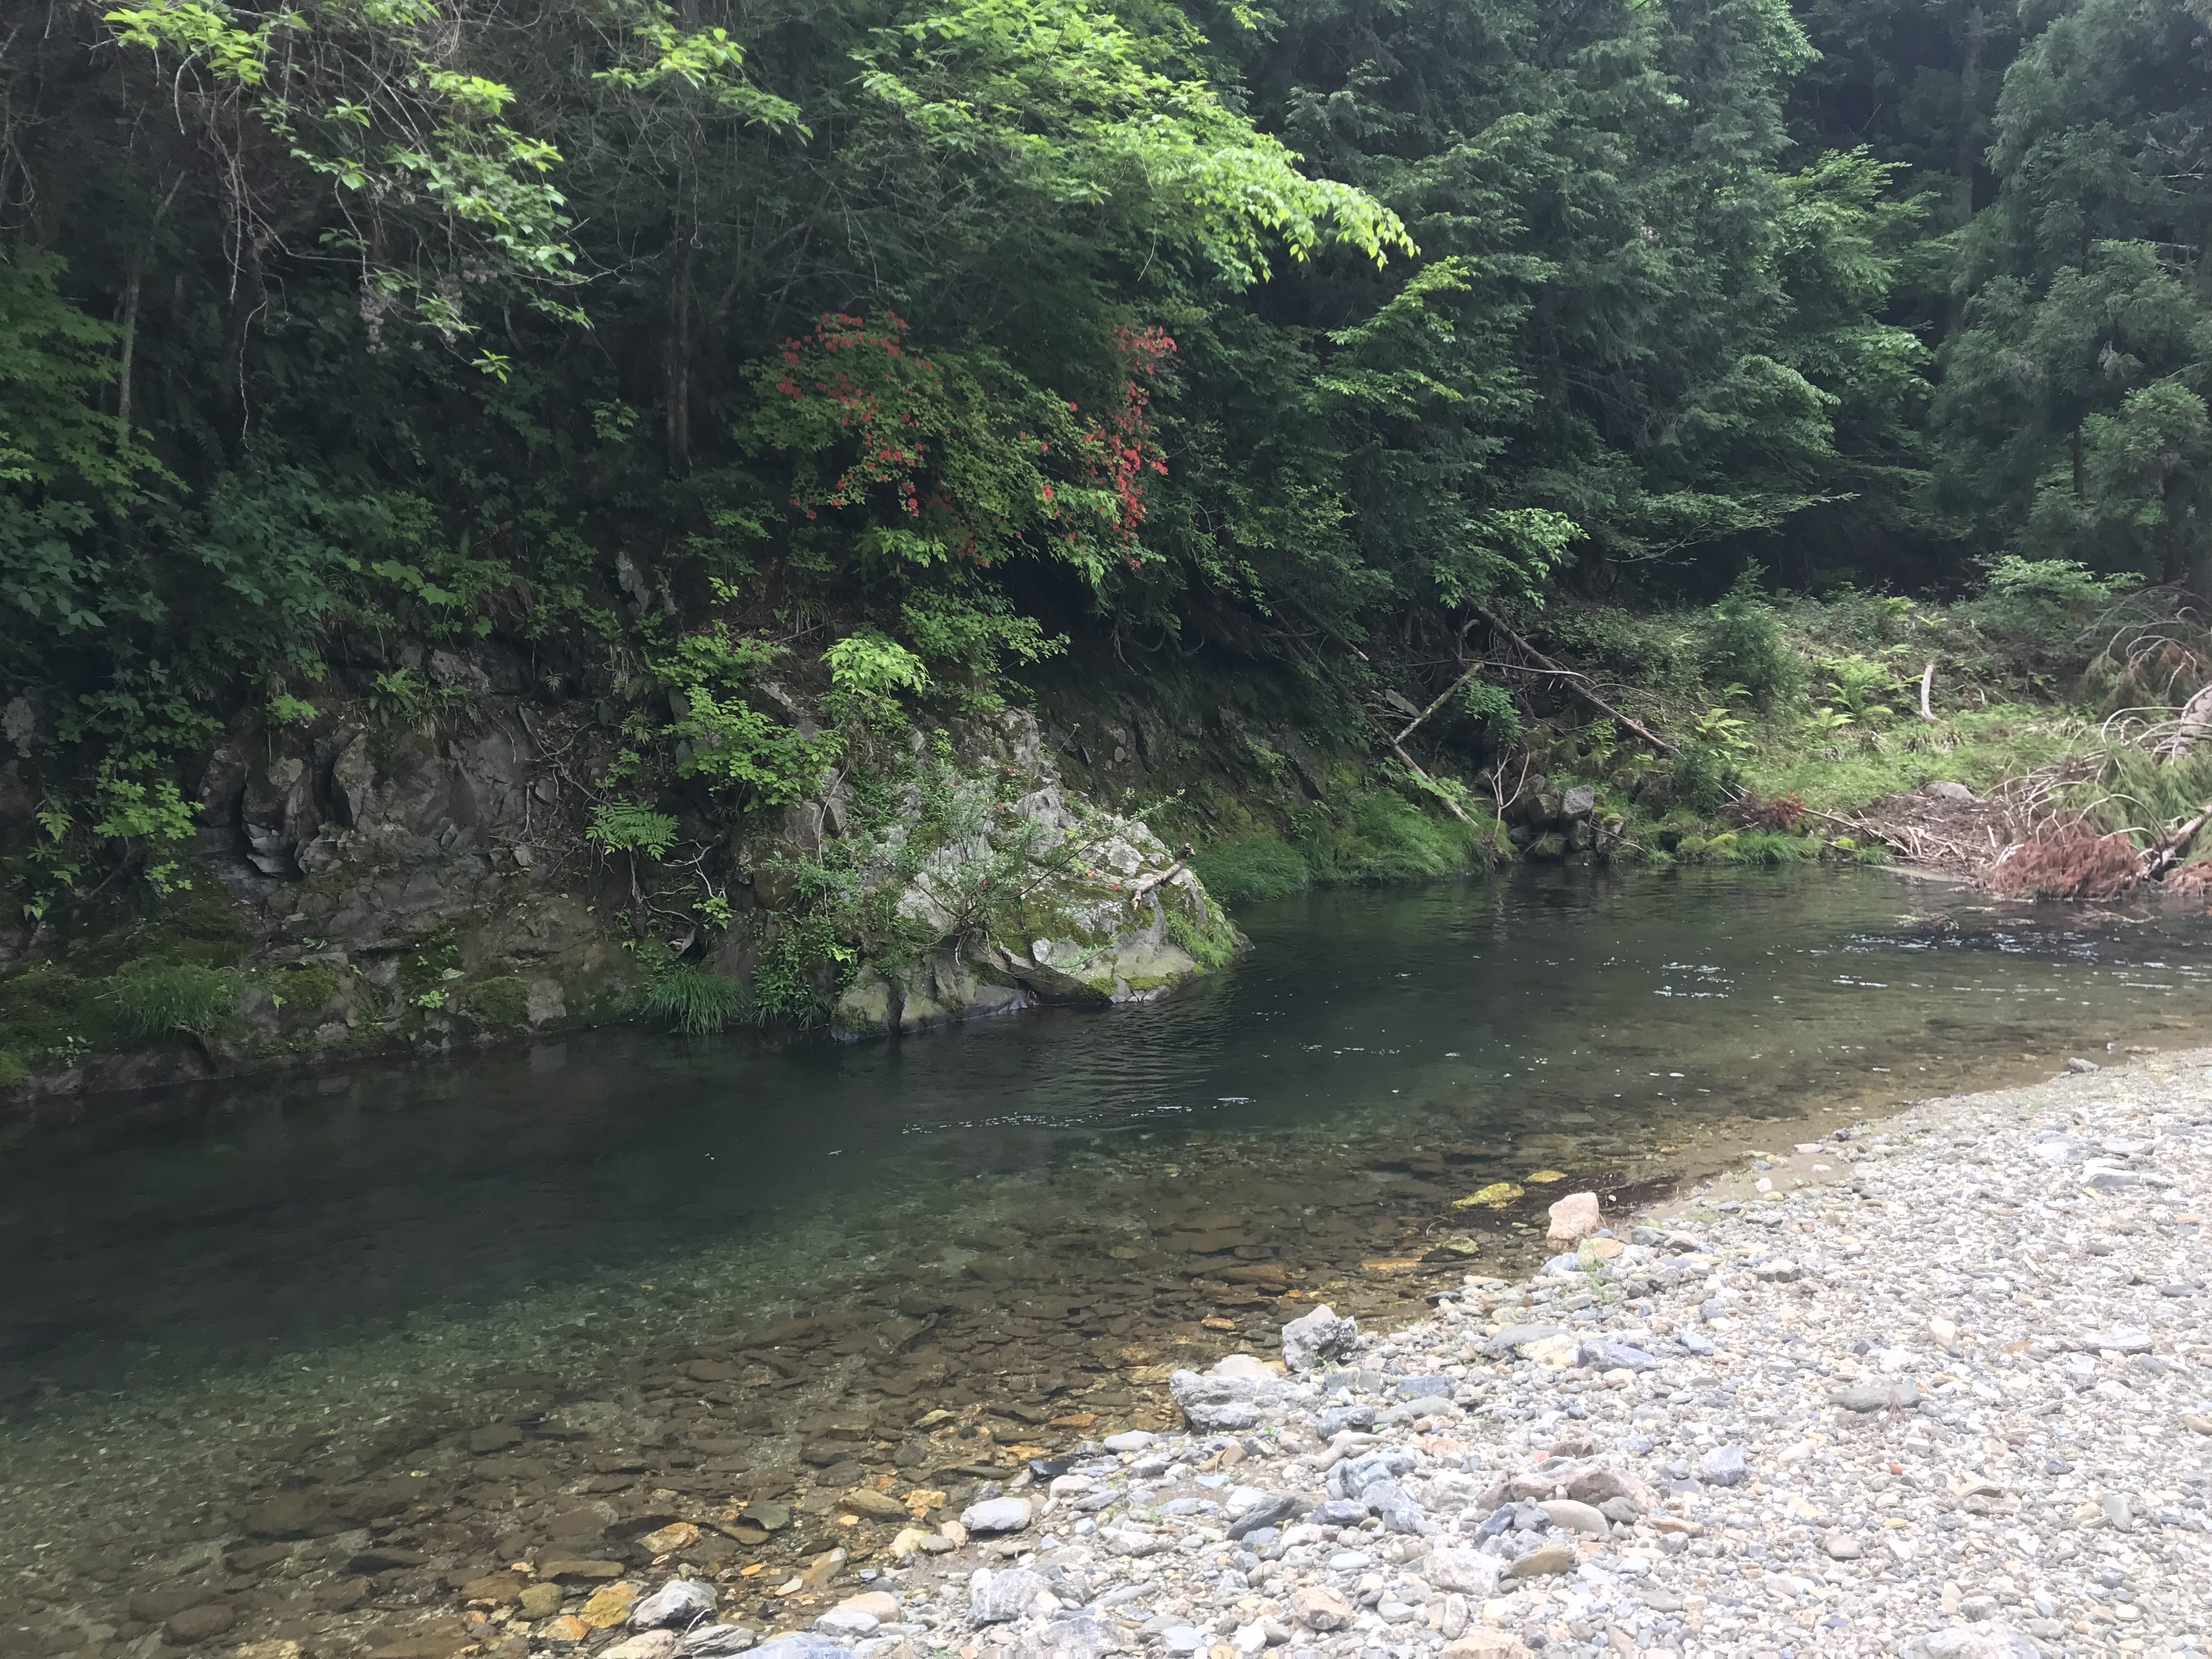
997	1515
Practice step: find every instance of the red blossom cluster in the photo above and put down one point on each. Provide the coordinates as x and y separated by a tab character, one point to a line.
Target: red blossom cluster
1121	450
857	373
872	400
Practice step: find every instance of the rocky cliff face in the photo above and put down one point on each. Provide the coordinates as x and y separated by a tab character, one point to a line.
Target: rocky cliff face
371	884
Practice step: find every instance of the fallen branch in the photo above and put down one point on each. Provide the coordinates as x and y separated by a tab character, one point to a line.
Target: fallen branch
1439	702
1144	889
2162	857
1427	782
1581	690
1396	747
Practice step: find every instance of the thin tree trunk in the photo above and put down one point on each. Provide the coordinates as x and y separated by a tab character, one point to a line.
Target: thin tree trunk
679	367
130	349
1972	34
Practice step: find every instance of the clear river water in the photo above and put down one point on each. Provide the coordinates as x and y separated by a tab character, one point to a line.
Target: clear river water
290	1281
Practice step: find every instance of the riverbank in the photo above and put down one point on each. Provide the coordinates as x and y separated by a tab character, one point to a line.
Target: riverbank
2008	1468
1939	1386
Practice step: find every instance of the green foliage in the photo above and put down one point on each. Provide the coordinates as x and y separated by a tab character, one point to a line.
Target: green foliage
1852	683
1210	940
1494	707
802	970
870	665
2134	790
1977	747
502	1000
1379	835
727	742
180	998
665	349
1702	779
688	998
1257	868
2050	601
624	826
1743	643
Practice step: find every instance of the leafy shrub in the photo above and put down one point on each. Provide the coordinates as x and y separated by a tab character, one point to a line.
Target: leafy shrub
2049	601
1657	652
1743	643
177	997
624	826
1853	684
802	971
1699	780
1494	707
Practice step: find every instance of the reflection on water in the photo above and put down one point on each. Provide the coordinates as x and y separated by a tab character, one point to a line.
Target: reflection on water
339	1251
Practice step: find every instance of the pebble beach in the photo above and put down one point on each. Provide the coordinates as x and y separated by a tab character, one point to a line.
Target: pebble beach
1937	1385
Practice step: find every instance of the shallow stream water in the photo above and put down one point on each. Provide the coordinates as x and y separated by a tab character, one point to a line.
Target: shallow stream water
303	1284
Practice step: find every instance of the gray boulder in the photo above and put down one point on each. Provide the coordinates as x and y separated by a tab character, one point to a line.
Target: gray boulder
1269	1512
803	1644
1723	1466
1000	1598
1466	1572
1214	1404
997	1515
676	1605
1610	1356
1070	1636
1321	1334
1394	1507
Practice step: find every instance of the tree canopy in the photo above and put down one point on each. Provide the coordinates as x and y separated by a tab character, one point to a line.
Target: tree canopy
964	328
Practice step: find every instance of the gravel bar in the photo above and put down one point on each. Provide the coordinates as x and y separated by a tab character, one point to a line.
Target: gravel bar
1940	1385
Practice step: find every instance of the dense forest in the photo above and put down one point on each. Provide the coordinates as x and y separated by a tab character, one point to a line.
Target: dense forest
911	348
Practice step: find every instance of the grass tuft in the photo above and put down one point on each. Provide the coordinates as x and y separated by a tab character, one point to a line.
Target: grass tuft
177	997
690	999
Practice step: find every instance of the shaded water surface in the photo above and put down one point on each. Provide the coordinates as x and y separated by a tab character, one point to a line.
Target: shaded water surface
194	1306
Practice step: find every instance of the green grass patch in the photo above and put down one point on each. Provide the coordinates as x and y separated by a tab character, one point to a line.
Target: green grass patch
1767	847
688	998
1372	836
1212	941
181	997
1838	772
1256	867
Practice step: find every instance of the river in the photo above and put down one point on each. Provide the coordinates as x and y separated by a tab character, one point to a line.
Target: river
310	1283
